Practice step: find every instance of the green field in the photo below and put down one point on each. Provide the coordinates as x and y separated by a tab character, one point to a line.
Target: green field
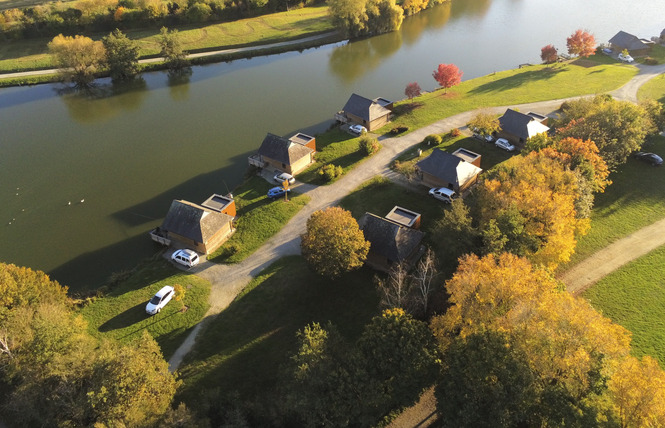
634	296
654	89
244	349
259	218
121	313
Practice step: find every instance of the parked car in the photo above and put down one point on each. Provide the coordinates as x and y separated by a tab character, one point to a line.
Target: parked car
159	300
502	143
487	138
443	194
625	58
651	158
186	258
277	192
357	129
282	177
607	51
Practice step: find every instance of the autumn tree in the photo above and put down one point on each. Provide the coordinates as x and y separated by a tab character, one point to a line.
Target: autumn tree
122	55
333	243
412	90
79	58
549	54
484	122
447	75
365	17
638	393
171	49
581	43
411	7
527	206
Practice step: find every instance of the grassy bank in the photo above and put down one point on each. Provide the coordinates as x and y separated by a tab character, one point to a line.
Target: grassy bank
121	314
32	54
654	89
259	218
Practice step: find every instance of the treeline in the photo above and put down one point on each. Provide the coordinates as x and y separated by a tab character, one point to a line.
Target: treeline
84	16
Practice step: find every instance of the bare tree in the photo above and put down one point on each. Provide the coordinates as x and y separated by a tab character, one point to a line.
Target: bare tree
395	289
423	281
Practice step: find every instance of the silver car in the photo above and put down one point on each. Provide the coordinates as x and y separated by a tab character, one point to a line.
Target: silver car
502	143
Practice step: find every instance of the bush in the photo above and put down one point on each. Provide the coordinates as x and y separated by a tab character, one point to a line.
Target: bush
179	292
650	61
455	132
432	140
330	172
369	145
399	129
407	169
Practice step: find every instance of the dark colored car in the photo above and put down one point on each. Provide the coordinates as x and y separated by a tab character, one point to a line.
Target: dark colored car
277	192
651	158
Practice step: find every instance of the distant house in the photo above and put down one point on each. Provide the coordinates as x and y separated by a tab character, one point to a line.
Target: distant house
202	228
634	45
372	114
662	36
518	127
442	169
391	243
290	155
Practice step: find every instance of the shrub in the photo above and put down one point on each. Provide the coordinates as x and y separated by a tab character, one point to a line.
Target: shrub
432	140
650	61
179	292
399	129
330	172
407	169
455	132
369	145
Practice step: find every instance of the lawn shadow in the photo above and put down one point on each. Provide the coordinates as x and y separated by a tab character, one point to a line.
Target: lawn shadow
125	319
517	80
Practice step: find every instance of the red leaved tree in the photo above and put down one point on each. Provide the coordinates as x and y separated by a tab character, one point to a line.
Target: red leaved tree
412	90
447	75
581	43
549	54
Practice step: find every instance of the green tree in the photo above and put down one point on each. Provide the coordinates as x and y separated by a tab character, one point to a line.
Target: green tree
455	232
79	58
171	49
333	243
365	17
484	123
122	56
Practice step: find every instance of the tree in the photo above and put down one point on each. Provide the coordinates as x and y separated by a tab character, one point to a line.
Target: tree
424	283
447	75
581	43
549	54
395	290
79	58
384	16
365	17
456	232
122	56
638	393
171	49
23	287
333	243
412	90
484	123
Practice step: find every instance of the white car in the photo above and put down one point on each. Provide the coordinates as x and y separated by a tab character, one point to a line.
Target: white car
502	143
186	258
443	194
357	129
159	300
626	58
281	178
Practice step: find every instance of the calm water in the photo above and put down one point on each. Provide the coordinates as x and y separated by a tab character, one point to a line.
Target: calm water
127	152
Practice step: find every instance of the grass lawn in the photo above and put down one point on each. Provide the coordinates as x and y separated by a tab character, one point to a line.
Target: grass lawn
245	347
635	199
654	89
634	296
259	218
121	313
32	54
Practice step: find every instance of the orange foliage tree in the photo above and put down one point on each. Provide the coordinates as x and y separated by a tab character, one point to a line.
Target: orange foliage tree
581	43
527	206
447	75
638	393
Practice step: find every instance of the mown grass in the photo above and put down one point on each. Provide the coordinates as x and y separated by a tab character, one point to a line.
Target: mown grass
259	218
654	89
32	54
635	199
245	348
634	297
121	313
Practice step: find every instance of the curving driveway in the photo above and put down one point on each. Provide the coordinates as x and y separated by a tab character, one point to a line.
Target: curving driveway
228	280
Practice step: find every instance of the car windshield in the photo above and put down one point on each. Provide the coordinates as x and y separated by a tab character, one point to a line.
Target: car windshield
155	300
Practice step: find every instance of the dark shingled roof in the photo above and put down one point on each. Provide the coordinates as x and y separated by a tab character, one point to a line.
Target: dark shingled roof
627	41
282	150
364	108
448	167
389	239
194	221
518	124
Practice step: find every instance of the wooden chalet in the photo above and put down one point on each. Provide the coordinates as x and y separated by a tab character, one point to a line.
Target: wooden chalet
442	169
372	114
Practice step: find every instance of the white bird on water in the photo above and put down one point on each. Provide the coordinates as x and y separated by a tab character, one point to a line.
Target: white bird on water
82	200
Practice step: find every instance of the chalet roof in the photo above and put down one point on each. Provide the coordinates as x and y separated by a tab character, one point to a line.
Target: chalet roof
194	221
627	41
448	167
389	239
520	124
365	108
283	150
217	202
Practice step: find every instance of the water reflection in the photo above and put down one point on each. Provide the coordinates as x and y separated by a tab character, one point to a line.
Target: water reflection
178	82
355	59
104	101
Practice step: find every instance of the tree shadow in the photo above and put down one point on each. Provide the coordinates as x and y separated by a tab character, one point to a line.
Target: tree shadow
125	319
517	80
